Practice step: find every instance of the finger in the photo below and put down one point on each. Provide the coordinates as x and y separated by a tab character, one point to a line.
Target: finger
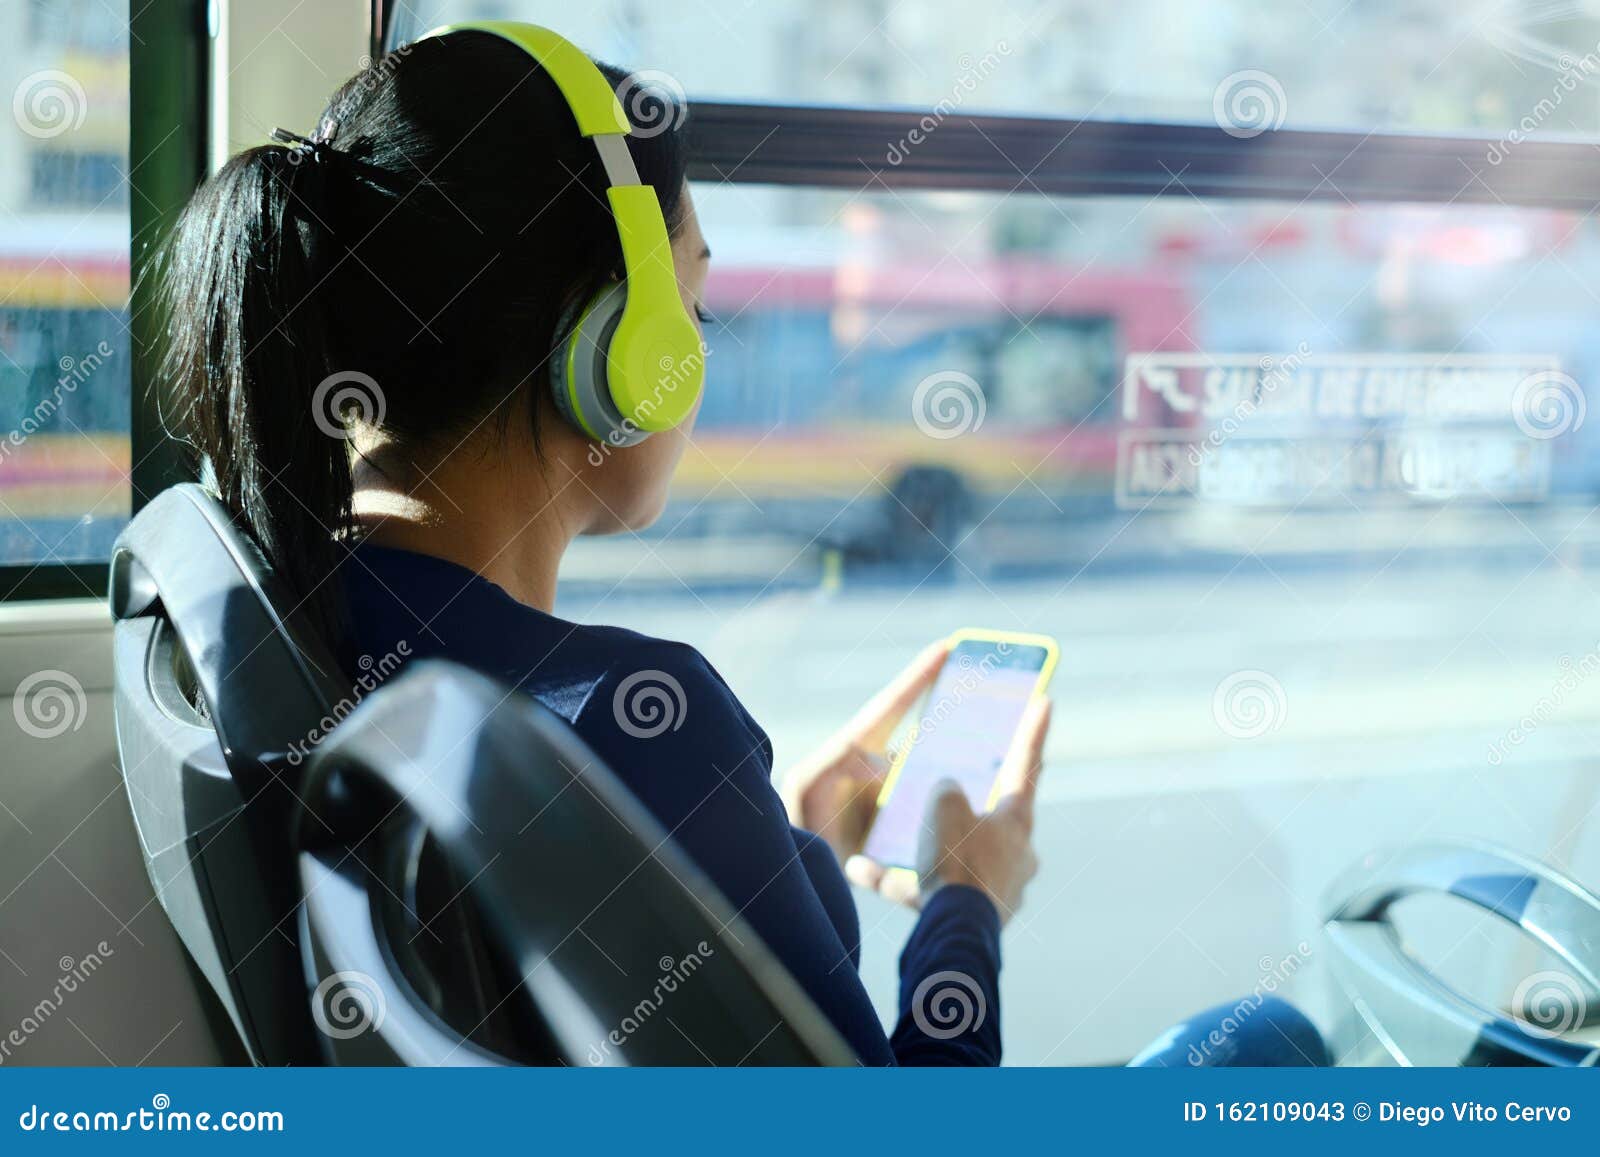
1018	781
947	807
864	872
873	726
901	887
867	766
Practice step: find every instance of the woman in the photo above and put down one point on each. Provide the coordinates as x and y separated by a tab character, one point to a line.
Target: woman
430	247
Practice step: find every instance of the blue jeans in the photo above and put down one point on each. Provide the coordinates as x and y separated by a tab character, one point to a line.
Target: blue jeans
1257	1031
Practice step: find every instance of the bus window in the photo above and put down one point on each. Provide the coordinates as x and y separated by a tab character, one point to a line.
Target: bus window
65	351
1304	484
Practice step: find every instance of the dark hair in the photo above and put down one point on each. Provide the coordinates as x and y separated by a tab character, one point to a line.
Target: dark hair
428	254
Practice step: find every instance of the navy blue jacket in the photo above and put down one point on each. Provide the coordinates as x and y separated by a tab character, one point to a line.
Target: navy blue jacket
668	726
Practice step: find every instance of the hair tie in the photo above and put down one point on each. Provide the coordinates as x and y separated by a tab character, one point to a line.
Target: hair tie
317	148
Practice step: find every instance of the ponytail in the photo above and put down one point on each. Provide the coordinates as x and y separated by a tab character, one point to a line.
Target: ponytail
248	345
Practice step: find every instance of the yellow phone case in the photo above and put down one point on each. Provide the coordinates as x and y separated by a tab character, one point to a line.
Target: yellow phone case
1052	655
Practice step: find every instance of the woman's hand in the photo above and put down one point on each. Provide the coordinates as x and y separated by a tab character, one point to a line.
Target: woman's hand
835	792
992	852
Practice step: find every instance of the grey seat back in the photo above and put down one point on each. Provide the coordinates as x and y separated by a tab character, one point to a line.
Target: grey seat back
607	945
214	683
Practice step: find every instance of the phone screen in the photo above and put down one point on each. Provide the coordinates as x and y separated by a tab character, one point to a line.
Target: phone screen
963	733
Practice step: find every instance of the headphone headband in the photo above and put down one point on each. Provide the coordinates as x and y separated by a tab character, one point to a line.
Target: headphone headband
594	105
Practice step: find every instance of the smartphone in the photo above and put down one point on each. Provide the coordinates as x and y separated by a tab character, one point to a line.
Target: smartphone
963	732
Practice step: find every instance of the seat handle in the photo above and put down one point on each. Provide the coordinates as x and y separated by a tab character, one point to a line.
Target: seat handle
1544	904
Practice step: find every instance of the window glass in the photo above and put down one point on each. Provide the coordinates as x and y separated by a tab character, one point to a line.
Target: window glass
1507	70
1306	492
64	344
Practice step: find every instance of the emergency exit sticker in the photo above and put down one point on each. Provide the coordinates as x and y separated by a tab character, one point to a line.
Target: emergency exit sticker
1296	428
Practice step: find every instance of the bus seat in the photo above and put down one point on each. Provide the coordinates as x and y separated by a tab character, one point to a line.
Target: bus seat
212	683
1401	1013
609	945
481	947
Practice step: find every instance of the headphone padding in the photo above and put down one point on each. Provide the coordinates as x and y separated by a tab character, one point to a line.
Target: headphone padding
578	372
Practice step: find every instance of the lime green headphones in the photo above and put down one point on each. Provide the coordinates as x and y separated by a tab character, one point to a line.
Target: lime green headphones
633	364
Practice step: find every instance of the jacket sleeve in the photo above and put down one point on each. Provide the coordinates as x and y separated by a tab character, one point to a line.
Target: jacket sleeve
950	983
669	727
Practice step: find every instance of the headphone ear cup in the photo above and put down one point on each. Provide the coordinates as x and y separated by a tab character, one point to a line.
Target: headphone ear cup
578	372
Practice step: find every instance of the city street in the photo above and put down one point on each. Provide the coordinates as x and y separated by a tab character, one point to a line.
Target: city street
1182	863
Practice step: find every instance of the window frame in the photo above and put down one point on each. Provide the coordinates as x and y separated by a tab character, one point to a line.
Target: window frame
839	147
747	142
